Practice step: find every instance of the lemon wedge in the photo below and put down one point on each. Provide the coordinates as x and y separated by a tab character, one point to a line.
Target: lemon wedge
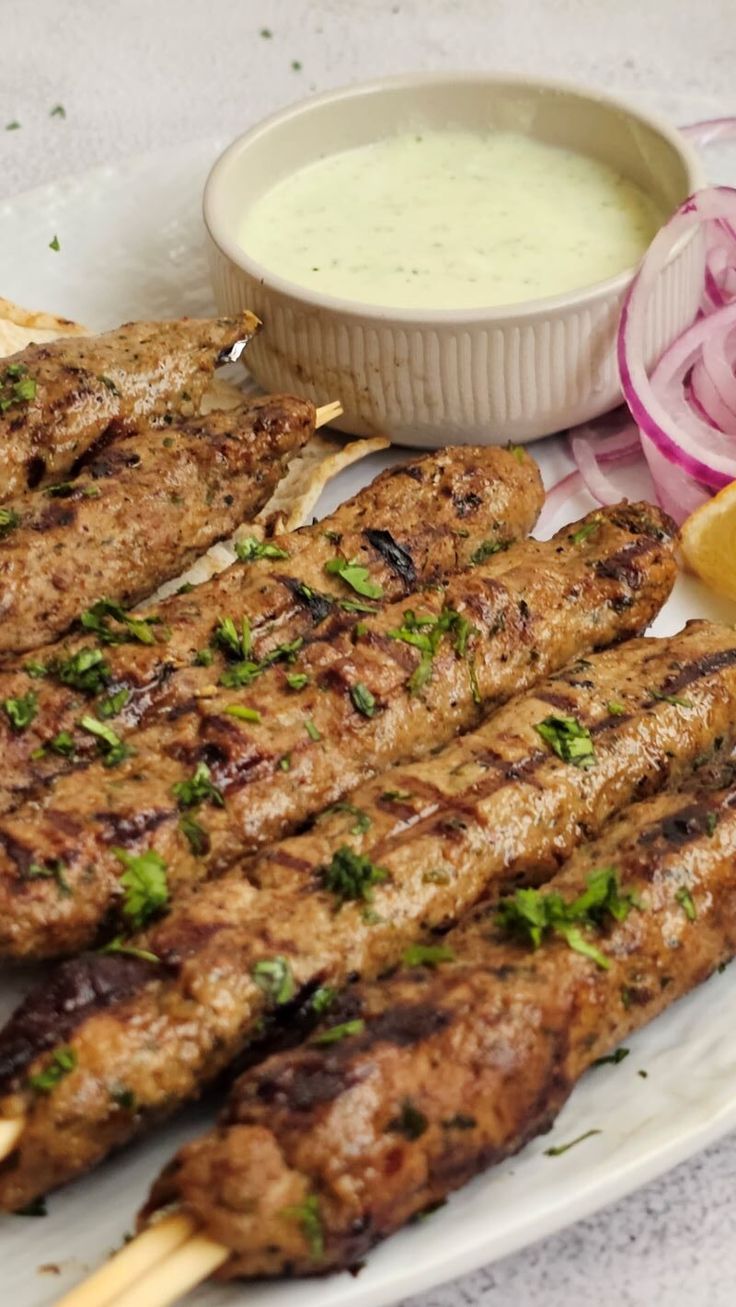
708	538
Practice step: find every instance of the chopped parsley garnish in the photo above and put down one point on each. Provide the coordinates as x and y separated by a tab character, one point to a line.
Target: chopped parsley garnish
128	628
125	1098
559	1149
296	65
297	680
273	976
486	549
307	1213
110	745
285	762
427	955
362	699
14	126
54	243
246	669
362	821
195	834
584	532
354	606
426	635
351	875
396	796
112	386
145	884
243	714
204	658
16	387
20	712
199	789
672	698
409	1122
113	704
58	111
615	708
613	1058
356	576
85	670
334	1034
312	730
266	33
568	739
711	821
35	669
530	914
251	550
63	744
54	869
686	902
322	998
118	945
63	1060
9	519
236	644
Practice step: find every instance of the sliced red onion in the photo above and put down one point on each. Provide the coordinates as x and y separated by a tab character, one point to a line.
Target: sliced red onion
710	130
659	405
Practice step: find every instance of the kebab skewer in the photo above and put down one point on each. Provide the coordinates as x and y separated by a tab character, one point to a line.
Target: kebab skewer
280	743
453	1063
414	526
112	1042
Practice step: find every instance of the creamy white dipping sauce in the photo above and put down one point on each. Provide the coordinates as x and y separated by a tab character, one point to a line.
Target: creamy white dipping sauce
451	219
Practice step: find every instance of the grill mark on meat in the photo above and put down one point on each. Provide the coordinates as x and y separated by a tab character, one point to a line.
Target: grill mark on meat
311	1083
466	504
680	828
127	828
398	559
318	605
75	991
713	662
624	566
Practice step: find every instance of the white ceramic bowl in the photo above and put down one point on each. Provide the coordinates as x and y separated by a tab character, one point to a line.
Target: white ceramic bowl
449	376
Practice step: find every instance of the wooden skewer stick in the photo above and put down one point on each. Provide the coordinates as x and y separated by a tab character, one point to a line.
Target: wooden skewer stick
10	1132
174	1276
123	1269
328	413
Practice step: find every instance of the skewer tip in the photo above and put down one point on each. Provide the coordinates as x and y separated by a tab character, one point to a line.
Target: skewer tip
10	1132
327	413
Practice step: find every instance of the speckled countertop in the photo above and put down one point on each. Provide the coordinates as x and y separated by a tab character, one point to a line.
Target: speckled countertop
134	74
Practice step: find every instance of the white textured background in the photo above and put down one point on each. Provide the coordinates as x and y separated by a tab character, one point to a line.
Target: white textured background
134	74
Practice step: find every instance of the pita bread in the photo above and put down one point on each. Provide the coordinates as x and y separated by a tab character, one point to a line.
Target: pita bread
20	327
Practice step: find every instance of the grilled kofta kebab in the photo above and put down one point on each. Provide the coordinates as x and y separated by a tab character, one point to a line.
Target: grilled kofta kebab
280	748
143	509
57	400
143	1031
463	1055
414	526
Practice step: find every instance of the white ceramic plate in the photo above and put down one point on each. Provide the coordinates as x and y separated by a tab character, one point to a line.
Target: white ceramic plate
131	246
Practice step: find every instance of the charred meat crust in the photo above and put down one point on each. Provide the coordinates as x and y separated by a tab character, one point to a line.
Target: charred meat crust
512	496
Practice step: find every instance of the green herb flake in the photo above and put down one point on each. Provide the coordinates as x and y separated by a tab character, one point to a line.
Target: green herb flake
113	704
63	744
409	1122
486	549
119	945
612	1059
427	955
285	762
362	821
362	699
273	976
195	835
63	1060
9	519
123	1097
322	999
54	870
14	126
21	711
564	1148
307	1213
54	243
355	606
233	642
145	884
530	914
58	111
16	387
110	745
35	669
687	903
312	730
204	658
198	789
266	33
297	680
334	1034
86	670
672	698
426	633
296	65
350	876
615	708
568	739
242	714
396	796
356	576
127	628
584	532
711	821
251	550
